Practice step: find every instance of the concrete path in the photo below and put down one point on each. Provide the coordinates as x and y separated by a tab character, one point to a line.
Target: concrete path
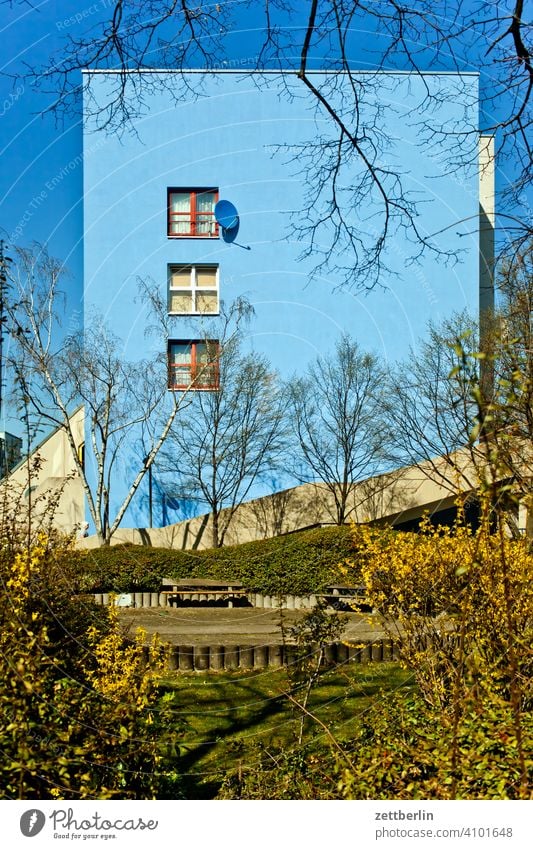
237	626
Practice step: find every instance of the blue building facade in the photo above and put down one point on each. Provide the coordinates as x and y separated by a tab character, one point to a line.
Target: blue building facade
149	199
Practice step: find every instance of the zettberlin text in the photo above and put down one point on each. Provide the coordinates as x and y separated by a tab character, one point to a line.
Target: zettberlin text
402	815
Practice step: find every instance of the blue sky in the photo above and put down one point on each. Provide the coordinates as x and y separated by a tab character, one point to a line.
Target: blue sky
33	151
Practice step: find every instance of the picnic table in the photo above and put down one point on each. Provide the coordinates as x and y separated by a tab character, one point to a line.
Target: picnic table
342	597
201	589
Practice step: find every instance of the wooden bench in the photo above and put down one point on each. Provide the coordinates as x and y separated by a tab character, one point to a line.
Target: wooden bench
341	597
202	589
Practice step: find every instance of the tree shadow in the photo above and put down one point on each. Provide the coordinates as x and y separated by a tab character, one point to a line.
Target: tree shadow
244	705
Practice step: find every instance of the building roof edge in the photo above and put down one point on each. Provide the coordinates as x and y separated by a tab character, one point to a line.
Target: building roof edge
291	71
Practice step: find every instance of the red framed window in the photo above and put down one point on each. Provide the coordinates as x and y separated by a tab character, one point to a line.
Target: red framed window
191	213
193	363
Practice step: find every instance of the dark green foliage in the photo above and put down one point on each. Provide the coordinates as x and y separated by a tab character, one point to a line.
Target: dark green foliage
76	700
404	751
401	750
297	563
280	774
67	618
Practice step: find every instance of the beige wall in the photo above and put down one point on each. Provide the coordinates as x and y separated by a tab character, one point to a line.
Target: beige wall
53	479
393	498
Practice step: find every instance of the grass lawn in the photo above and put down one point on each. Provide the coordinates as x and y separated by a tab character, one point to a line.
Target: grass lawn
216	720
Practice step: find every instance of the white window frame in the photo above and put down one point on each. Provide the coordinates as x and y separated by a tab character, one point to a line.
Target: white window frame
194	290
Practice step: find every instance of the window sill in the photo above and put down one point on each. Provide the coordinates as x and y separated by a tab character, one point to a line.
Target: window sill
192	388
194	314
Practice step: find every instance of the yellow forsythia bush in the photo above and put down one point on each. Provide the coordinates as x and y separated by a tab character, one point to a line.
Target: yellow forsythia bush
76	709
451	595
460	604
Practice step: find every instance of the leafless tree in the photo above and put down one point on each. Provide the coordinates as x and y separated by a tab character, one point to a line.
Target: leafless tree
338	423
4	294
56	373
458	427
229	438
342	37
505	418
429	409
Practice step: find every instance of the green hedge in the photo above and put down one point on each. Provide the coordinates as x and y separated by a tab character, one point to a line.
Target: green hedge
297	563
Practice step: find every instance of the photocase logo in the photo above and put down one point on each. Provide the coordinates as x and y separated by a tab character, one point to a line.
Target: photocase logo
32	822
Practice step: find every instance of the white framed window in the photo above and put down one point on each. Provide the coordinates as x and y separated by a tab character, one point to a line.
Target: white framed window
193	289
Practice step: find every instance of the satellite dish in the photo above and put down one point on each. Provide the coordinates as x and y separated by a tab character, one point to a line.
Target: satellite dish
226	215
227	218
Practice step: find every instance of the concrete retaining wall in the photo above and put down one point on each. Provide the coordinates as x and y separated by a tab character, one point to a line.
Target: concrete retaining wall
218	658
144	599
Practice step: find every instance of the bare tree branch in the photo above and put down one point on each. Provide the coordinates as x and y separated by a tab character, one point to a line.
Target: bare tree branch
88	367
230	438
335	413
134	37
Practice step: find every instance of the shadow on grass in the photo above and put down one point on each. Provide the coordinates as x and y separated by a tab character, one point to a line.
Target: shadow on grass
218	717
